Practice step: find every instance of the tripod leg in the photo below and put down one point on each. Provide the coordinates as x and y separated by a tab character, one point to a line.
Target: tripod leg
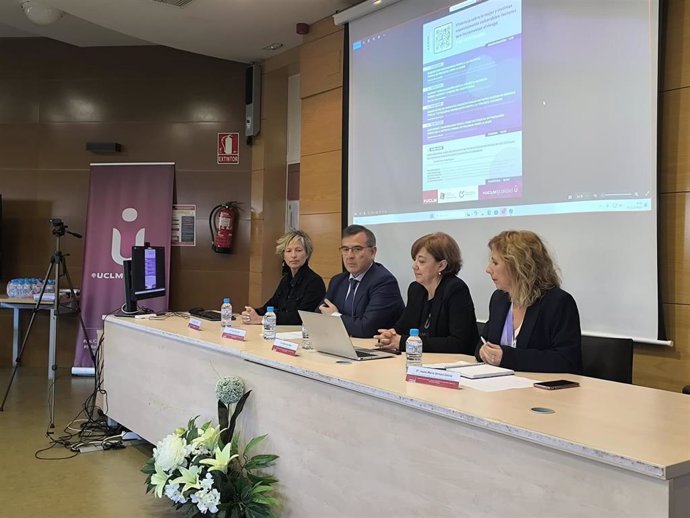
34	312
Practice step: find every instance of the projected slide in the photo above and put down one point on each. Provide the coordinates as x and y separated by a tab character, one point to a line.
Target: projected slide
472	104
501	108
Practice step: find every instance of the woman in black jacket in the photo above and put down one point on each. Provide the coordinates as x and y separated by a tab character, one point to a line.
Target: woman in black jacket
439	303
300	288
533	324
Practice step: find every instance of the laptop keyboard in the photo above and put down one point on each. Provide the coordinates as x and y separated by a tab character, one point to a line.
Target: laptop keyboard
362	354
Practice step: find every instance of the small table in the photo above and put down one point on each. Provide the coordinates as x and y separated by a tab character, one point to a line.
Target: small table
26	303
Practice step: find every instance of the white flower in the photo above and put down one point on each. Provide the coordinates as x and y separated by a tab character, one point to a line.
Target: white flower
172	491
229	389
170	452
207	483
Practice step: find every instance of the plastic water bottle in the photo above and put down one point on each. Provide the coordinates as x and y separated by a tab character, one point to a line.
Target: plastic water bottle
307	344
226	313
269	323
413	349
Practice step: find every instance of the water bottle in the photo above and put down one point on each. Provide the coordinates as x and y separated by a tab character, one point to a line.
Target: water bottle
306	341
269	323
413	349
226	313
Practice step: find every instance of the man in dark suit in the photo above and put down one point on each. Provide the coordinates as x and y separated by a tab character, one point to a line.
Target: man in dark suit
367	297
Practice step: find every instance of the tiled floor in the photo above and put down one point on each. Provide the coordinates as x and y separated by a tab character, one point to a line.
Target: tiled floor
100	484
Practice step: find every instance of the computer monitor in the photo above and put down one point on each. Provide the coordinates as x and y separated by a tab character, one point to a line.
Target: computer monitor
144	276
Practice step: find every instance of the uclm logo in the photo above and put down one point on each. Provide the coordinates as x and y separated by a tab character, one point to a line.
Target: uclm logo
107	275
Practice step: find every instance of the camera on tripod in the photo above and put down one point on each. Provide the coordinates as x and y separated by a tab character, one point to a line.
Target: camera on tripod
58	226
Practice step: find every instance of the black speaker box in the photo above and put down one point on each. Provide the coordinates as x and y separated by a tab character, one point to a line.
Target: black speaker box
103	147
252	101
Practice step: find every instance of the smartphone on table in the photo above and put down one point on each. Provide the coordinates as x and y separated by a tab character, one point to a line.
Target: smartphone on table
556	384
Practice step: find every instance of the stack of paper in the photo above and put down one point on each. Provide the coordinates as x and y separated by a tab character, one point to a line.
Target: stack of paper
481	370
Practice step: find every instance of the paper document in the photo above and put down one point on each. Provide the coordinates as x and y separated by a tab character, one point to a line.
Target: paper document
447	365
496	384
289	335
482	370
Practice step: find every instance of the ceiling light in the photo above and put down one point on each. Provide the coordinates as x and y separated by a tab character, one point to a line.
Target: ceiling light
41	14
273	46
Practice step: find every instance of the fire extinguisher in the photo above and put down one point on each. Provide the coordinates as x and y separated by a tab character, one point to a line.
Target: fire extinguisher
223	223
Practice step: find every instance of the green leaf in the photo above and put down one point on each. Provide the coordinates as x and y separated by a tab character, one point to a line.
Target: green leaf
253	443
259	488
222	415
235	446
149	467
265	479
260	461
237	412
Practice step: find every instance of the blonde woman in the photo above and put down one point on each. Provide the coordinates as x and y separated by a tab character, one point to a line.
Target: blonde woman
533	324
300	288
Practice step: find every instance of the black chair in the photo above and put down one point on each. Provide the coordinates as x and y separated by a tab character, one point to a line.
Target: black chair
686	389
607	358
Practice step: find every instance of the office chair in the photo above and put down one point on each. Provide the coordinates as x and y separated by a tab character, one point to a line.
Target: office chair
607	358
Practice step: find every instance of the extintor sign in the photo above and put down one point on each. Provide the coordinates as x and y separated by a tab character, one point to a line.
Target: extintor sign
228	148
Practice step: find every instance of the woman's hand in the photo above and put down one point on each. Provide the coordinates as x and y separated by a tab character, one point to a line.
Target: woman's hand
491	353
388	339
250	316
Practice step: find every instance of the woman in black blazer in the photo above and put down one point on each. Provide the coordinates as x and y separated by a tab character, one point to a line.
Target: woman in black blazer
533	324
439	304
300	287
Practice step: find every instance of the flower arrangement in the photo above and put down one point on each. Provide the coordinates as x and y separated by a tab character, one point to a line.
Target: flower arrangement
204	471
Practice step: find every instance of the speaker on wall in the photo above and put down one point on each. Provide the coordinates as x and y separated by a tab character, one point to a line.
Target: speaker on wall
252	101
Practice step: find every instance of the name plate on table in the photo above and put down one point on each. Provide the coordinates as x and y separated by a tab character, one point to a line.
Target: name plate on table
437	377
234	333
194	323
285	347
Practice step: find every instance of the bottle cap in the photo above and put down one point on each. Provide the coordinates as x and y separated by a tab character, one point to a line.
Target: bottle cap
226	300
269	309
414	332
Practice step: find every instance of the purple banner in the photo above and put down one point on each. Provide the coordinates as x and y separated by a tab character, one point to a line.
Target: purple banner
128	204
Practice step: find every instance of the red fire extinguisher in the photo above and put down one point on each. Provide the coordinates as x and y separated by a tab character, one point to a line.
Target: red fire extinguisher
223	223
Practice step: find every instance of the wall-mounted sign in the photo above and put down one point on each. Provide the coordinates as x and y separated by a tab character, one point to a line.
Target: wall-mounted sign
228	148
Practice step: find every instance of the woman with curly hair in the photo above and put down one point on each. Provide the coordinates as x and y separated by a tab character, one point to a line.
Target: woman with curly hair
533	324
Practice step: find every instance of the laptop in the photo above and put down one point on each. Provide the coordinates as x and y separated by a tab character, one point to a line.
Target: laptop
328	334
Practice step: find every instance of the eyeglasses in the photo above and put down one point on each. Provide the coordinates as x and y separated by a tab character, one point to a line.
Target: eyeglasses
354	249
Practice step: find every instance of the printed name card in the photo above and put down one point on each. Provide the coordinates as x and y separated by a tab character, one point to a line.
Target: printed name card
233	333
194	323
285	347
439	378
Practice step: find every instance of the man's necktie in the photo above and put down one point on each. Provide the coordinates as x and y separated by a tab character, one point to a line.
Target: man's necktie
350	298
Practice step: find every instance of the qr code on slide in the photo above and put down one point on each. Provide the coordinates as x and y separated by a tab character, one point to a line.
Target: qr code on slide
443	38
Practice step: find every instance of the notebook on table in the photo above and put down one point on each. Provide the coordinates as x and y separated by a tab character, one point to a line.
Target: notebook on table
328	334
481	370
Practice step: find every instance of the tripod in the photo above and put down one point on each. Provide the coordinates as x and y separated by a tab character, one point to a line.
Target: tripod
57	268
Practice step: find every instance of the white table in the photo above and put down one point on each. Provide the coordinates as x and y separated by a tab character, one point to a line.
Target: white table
355	439
17	305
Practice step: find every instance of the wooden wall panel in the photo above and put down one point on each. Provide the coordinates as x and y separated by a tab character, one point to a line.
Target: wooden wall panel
676	58
320	186
666	367
321	65
163	105
322	122
321	29
324	230
674	170
321	155
658	366
674	213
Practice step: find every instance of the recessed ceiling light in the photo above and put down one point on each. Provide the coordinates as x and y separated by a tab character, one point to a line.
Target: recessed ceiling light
273	46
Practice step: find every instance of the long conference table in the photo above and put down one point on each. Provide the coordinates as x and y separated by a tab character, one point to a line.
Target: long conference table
356	439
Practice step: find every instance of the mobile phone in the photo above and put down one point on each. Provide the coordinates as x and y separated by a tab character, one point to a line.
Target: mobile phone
556	384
